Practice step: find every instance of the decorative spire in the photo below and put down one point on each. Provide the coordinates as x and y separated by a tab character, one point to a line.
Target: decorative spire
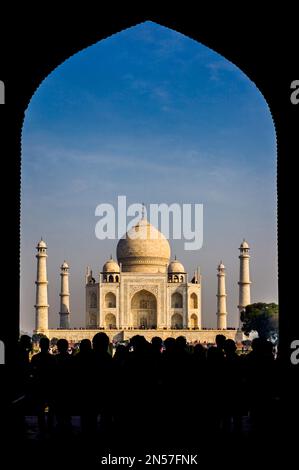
41	306
221	299
143	210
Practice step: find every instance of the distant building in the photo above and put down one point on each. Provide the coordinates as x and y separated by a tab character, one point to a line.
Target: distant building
143	292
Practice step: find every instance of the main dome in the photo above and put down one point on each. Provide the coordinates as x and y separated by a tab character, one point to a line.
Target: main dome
143	249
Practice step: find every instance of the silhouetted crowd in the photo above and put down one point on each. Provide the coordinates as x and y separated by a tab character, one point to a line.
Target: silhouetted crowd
169	387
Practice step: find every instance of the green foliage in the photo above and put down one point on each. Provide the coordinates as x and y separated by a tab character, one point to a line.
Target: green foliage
37	336
260	317
53	341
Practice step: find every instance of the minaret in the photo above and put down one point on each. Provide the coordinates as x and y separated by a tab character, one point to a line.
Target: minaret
41	304
221	298
64	297
244	282
88	274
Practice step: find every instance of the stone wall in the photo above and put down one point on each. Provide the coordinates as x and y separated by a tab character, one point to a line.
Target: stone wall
204	336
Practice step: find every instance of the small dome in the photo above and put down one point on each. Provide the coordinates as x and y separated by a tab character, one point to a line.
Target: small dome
244	244
111	266
64	265
176	267
221	265
41	244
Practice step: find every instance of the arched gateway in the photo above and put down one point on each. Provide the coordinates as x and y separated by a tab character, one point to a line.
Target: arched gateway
144	310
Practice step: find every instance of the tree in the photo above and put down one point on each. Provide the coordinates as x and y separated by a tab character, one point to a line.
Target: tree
262	318
37	336
53	341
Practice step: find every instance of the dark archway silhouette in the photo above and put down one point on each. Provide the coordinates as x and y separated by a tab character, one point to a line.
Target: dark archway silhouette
111	278
247	39
249	56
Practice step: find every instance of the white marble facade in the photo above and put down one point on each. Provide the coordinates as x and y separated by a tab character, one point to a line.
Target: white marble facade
144	289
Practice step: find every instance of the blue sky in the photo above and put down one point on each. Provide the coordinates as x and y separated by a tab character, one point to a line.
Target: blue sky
153	115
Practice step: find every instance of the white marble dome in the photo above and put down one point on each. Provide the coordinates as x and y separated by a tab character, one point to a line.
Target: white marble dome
143	249
176	267
111	266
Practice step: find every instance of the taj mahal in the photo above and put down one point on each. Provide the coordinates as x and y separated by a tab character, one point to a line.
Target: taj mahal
143	292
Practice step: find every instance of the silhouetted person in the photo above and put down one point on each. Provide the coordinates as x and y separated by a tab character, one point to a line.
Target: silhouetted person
22	364
64	380
85	349
261	383
169	384
220	342
138	396
199	355
157	344
156	348
215	381
83	370
233	387
169	361
199	368
42	372
20	381
120	357
197	384
169	344
178	380
103	383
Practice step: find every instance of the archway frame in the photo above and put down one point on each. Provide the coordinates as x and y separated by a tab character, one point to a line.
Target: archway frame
269	77
149	312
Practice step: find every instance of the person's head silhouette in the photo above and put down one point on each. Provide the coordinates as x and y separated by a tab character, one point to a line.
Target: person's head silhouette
25	343
85	346
169	344
44	344
181	343
256	345
220	340
199	351
229	347
138	343
62	346
100	342
121	352
156	343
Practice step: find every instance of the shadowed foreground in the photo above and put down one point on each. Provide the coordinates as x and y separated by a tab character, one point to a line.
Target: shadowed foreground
169	398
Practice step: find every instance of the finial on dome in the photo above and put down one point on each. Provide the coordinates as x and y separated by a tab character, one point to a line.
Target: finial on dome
143	209
244	244
175	257
41	243
110	256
